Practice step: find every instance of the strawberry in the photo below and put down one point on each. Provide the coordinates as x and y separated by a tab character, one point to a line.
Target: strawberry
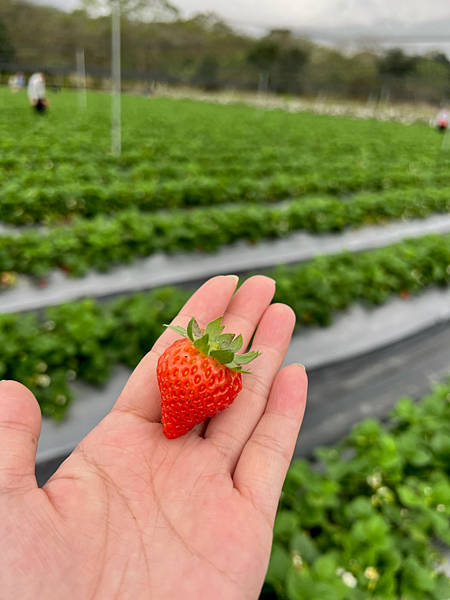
199	375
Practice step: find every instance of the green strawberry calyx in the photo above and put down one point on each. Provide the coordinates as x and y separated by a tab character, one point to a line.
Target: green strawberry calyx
221	346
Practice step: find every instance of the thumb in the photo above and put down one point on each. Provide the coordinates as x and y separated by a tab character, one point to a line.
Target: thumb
20	426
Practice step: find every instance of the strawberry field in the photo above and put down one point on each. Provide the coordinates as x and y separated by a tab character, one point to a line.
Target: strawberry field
66	203
180	161
198	178
179	154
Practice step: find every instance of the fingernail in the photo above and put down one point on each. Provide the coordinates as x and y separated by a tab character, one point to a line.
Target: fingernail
300	365
272	280
235	278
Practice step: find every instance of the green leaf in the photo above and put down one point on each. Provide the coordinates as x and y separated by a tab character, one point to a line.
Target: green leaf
372	531
193	330
408	496
359	508
190	329
303	544
325	567
244	359
214	329
442	588
202	344
196	330
225	340
286	524
177	329
234	367
279	565
236	344
418	577
223	356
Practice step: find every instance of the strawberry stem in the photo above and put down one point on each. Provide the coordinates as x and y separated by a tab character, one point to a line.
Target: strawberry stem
223	347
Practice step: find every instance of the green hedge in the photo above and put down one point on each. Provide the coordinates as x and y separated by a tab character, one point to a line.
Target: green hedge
362	521
87	338
102	241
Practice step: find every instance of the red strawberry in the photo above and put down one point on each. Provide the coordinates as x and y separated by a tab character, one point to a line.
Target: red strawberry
199	376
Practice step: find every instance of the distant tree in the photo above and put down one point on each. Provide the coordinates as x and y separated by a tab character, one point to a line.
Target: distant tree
281	56
283	37
432	74
211	22
329	66
396	63
207	74
440	58
291	62
264	55
7	50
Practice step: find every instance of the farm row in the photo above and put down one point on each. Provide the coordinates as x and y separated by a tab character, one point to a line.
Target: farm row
179	153
86	339
101	242
20	205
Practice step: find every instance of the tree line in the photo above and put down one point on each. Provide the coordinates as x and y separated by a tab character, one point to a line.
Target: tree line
207	52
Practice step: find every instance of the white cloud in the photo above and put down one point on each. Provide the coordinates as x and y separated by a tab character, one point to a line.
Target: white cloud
64	4
300	13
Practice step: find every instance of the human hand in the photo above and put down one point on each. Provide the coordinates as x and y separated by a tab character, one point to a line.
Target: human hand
132	515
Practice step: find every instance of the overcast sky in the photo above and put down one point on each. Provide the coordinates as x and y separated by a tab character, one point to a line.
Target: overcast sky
300	13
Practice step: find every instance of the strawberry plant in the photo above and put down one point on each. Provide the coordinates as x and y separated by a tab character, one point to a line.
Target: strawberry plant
179	153
363	519
101	242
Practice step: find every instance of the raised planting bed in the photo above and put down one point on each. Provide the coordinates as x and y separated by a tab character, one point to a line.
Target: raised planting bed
102	243
86	339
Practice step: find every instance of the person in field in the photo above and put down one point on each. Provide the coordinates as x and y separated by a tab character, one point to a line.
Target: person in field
16	82
442	120
36	92
20	80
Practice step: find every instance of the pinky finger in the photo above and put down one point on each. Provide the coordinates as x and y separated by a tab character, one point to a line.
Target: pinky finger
262	467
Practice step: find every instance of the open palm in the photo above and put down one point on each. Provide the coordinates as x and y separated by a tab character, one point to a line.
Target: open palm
132	515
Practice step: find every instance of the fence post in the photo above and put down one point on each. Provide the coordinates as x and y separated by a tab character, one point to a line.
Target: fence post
81	79
116	121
